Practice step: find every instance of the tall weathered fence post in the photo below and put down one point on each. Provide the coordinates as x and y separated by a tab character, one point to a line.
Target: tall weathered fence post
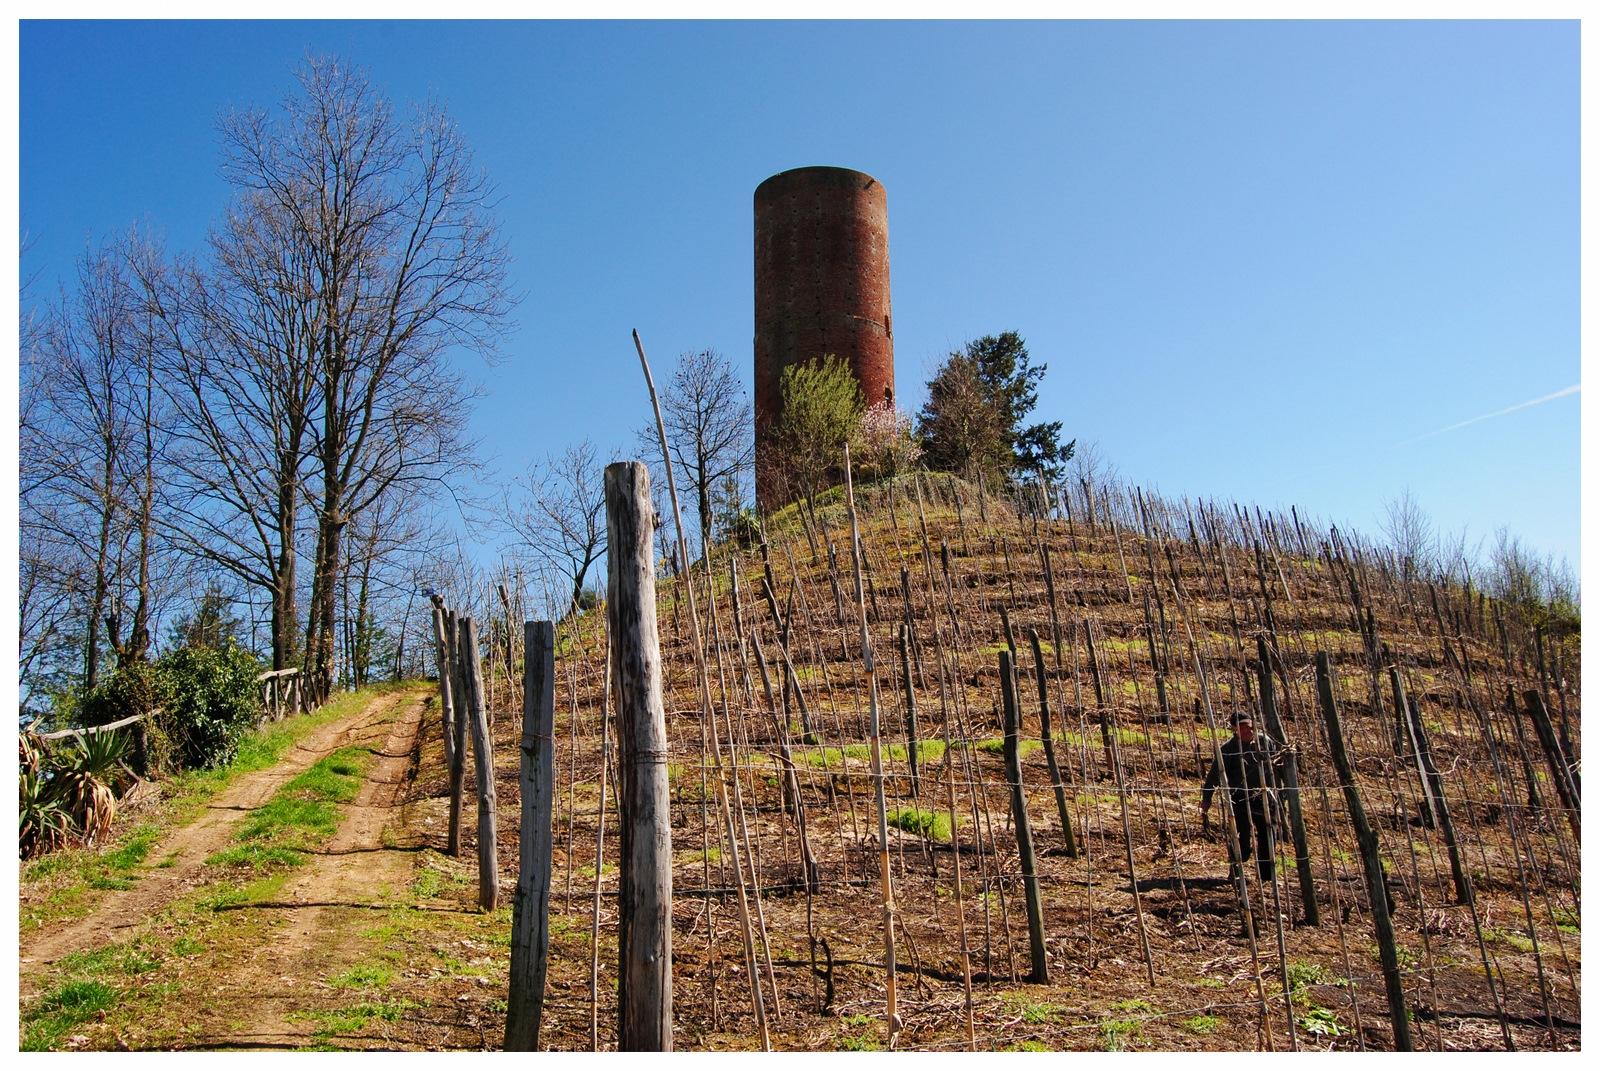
644	899
446	705
1040	975
458	730
530	913
1377	894
483	766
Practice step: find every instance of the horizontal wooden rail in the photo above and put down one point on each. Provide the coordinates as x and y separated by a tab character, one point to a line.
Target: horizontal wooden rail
61	734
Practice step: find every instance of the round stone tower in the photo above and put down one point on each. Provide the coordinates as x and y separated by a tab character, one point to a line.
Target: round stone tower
822	287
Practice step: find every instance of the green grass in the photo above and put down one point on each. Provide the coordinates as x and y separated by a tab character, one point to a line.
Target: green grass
86	984
928	751
1038	1013
1516	940
1117	1032
108	959
132	851
256	857
1203	1024
931	824
63	1008
283	816
996	745
299	816
366	976
355	1018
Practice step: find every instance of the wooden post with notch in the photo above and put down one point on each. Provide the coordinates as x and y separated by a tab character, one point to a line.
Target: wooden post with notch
530	913
644	898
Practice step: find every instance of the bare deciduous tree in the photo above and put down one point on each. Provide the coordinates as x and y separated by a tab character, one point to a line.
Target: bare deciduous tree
557	510
92	441
392	231
710	430
1410	534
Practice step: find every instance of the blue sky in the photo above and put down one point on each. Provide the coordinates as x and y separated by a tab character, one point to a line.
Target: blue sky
1260	259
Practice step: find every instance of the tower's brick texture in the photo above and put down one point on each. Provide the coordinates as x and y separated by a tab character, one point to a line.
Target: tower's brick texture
822	287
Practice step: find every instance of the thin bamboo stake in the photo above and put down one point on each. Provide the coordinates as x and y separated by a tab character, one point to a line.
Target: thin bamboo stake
875	744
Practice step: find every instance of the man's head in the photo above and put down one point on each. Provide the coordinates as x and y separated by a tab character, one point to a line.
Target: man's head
1244	726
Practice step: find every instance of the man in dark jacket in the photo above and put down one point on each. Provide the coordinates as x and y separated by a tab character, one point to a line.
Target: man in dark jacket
1248	758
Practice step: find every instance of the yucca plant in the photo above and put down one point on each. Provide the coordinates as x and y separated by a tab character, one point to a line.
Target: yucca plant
43	823
71	790
91	773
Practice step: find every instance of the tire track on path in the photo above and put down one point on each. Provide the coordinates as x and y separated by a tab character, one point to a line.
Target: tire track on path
189	846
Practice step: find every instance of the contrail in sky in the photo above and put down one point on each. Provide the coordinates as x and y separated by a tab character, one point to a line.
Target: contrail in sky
1575	388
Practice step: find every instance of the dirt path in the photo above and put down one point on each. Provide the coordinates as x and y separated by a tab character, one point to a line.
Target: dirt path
188	846
365	863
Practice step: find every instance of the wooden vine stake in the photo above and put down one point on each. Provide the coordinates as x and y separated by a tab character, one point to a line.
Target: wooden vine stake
1291	786
644	898
447	714
1047	737
483	766
458	730
1560	772
877	761
530	915
1040	975
1377	894
707	713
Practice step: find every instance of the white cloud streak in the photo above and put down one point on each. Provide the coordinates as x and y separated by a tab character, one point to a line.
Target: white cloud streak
1575	388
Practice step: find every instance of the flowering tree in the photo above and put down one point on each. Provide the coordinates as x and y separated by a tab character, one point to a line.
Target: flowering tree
886	441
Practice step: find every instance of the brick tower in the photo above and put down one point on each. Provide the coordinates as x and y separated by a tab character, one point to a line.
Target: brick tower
822	287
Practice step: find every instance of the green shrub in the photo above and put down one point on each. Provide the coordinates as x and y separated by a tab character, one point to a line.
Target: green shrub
209	702
130	690
930	824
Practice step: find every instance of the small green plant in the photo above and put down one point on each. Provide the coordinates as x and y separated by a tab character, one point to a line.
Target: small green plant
1320	1021
1117	1032
363	977
427	883
1039	1013
1407	957
1516	940
1028	1046
1302	974
930	824
1203	1024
